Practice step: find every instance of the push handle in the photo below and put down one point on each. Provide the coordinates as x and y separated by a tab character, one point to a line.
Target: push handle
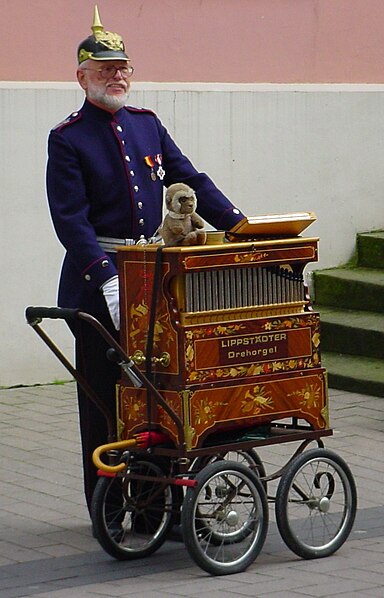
120	445
36	314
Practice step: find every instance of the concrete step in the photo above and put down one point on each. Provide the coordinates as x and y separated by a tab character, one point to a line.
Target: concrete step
351	288
353	332
370	249
355	373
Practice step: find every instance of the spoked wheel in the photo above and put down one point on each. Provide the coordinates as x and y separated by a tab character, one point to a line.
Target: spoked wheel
225	518
316	503
131	516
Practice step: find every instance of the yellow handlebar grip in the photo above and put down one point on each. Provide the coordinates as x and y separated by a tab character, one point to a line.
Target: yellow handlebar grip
123	444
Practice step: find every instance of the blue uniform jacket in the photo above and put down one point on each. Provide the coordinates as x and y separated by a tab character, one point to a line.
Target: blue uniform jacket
100	175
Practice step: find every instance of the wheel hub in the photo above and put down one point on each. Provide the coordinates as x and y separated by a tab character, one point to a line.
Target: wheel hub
324	504
232	518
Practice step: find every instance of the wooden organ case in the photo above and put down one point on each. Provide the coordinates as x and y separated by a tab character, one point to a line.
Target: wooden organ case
235	340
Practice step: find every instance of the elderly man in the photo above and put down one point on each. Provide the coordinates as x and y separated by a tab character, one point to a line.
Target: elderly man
107	167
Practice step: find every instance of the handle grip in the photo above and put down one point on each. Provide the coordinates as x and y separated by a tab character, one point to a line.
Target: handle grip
36	314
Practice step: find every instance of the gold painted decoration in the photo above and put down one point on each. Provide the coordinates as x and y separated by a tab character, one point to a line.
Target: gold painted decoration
141	283
139	314
251	258
133	408
309	396
205	410
257	400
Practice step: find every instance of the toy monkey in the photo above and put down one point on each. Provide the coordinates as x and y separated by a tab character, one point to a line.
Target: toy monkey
181	225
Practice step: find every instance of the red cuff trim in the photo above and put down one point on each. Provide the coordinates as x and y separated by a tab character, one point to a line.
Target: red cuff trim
103	257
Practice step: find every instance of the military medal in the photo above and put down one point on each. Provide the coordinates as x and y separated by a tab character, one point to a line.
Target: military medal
160	171
149	162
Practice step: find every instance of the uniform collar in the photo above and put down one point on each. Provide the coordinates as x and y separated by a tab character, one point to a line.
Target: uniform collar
96	112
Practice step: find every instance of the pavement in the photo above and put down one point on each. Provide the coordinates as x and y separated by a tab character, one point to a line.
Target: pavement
46	545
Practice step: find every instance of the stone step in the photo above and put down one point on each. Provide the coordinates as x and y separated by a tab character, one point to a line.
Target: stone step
355	373
370	249
352	332
351	288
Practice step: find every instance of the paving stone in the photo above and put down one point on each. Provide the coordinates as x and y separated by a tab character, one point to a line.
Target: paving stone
46	546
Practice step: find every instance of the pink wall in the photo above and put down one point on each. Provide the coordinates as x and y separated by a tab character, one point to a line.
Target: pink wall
282	41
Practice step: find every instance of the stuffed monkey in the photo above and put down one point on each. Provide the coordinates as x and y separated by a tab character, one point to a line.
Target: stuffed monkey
181	225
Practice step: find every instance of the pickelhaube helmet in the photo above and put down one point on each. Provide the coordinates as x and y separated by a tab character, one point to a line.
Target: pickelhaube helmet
101	45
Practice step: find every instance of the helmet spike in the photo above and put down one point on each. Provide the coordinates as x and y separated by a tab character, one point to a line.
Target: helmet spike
97	27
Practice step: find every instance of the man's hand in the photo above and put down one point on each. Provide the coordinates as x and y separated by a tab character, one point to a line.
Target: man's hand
111	295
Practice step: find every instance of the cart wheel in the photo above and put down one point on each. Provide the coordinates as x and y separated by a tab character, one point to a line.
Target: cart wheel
225	518
131	517
316	503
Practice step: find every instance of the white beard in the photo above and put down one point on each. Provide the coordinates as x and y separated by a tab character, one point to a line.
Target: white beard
110	102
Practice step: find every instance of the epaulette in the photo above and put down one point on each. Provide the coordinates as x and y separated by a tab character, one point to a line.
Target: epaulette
67	121
139	110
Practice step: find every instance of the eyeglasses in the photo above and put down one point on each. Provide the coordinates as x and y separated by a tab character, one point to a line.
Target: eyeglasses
107	72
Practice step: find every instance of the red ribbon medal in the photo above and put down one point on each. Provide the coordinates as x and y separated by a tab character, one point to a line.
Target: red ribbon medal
149	162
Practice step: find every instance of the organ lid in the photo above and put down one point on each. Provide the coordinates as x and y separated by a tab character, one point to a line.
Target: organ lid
272	225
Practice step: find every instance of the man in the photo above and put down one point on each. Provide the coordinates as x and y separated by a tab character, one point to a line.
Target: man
107	167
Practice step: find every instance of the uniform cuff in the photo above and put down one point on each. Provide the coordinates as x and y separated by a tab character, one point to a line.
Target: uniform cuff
99	271
230	217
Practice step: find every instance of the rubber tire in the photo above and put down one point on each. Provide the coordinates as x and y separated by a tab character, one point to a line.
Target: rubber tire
287	495
191	519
